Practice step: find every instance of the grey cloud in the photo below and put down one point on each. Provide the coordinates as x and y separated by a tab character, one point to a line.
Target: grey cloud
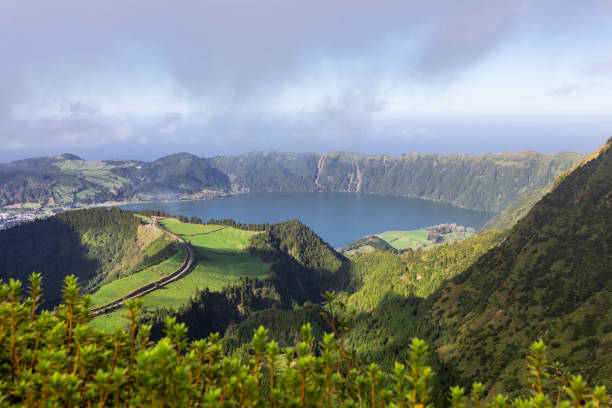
466	33
601	67
233	54
170	123
231	49
567	89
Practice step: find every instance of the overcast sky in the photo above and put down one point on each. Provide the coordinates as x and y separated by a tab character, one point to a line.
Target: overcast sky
141	79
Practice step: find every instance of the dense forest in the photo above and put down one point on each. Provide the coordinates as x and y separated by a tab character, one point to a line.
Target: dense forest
487	182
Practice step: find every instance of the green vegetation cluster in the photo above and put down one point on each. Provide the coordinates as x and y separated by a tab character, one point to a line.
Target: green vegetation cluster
67	180
196	220
59	180
57	359
383	301
171	177
479	302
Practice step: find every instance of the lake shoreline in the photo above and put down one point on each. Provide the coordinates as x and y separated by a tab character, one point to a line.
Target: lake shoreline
338	217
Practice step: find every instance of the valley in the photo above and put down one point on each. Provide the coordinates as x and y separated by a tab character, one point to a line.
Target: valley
306	204
538	270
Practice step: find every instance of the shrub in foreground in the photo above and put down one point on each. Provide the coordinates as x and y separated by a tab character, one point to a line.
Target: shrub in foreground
57	359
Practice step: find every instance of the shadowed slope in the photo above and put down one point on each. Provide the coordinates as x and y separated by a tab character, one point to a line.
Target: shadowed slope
549	278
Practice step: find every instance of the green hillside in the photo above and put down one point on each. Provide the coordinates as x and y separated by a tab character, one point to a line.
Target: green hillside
121	287
221	259
96	245
377	275
517	209
366	245
301	266
482	301
66	180
171	177
550	278
479	302
383	292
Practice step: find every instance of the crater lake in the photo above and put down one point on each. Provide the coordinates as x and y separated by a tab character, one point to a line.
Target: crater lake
338	218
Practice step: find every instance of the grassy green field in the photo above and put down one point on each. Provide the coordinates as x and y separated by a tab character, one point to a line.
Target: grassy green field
144	218
213	271
120	287
181	228
110	321
401	240
221	259
95	172
225	240
31	205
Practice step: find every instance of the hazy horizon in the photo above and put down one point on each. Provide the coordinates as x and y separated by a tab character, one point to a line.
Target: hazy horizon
142	79
171	153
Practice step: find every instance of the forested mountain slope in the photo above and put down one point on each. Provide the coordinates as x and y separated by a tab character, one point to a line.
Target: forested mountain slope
67	179
414	273
180	173
487	182
96	245
384	291
517	209
550	278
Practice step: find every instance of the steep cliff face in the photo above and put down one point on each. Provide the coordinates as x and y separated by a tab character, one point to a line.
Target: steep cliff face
550	278
487	182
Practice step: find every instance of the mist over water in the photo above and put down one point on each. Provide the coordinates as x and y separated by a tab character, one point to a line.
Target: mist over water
338	218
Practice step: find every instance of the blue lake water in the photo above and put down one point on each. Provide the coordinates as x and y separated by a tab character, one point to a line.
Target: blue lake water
338	218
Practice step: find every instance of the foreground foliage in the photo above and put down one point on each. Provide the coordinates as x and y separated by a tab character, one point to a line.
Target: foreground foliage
57	359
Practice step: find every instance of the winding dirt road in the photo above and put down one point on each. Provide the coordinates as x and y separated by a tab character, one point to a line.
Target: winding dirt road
151	286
